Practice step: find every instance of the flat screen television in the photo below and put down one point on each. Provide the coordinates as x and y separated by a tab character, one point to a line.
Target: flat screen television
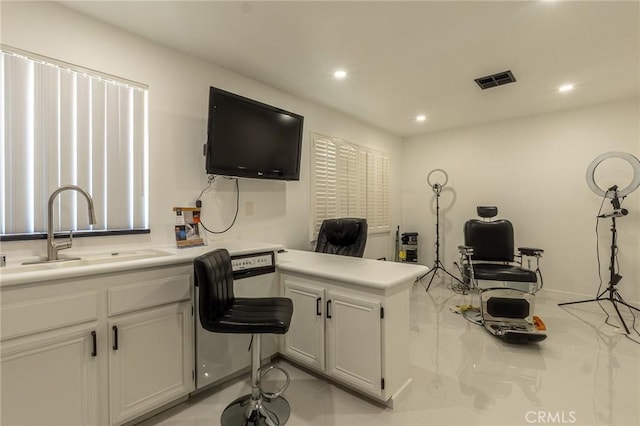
247	138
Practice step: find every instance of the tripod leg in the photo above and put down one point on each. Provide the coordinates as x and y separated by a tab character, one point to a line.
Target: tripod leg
580	301
620	316
618	297
432	276
599	297
452	276
427	273
629	306
437	266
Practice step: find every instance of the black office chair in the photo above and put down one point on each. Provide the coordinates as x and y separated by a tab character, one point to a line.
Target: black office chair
344	236
488	255
222	312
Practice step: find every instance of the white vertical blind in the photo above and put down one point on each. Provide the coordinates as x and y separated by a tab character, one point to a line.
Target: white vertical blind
3	130
349	180
65	125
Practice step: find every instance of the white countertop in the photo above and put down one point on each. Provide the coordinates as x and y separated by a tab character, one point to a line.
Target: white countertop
363	272
98	261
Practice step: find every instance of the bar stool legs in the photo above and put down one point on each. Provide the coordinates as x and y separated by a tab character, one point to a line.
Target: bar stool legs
258	408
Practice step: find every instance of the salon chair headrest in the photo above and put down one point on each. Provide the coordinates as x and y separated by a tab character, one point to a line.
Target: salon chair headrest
487	211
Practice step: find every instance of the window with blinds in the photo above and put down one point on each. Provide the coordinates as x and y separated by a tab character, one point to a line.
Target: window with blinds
63	125
349	180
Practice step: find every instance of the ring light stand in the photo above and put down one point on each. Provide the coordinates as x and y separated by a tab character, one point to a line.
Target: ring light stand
611	293
437	188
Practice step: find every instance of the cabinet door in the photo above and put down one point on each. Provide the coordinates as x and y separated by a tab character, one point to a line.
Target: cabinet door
354	341
50	380
305	340
150	360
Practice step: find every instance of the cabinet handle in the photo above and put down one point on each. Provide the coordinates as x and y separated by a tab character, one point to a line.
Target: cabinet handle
115	337
328	309
94	342
318	300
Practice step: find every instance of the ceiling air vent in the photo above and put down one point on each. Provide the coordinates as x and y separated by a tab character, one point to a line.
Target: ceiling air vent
494	80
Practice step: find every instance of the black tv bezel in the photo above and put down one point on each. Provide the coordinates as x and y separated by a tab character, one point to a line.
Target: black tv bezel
247	173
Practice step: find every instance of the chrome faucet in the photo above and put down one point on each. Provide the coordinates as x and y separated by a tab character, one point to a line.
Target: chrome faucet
54	247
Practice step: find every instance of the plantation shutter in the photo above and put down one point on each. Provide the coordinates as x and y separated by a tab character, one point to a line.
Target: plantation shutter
324	181
349	180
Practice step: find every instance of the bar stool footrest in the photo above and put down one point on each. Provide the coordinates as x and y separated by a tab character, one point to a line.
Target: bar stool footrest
272	395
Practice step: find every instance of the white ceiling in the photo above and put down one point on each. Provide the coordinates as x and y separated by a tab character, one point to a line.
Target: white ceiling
407	58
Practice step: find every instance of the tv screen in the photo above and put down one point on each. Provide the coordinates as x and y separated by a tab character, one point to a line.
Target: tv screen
247	138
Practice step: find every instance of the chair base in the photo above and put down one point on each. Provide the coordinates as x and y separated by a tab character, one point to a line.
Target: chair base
267	412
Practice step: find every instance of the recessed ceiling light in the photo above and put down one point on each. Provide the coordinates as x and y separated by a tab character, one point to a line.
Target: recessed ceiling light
565	88
421	117
340	74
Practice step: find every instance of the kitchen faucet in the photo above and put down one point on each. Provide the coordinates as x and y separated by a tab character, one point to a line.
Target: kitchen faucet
54	247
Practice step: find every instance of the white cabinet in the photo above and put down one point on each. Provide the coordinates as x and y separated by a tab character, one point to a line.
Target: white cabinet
50	368
51	379
150	343
353	351
337	332
59	365
306	337
150	360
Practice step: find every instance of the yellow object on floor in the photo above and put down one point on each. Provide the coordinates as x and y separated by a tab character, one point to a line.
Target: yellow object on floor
465	307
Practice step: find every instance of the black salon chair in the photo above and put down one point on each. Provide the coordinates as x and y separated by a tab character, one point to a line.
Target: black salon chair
222	312
488	255
344	236
488	252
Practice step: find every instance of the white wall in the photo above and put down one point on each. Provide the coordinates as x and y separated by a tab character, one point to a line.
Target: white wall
534	170
178	100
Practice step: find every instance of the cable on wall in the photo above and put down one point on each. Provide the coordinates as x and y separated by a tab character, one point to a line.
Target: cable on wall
235	216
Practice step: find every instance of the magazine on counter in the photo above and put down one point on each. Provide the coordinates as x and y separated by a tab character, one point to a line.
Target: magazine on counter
187	227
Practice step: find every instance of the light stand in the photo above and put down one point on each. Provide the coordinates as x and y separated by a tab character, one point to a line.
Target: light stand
437	188
611	293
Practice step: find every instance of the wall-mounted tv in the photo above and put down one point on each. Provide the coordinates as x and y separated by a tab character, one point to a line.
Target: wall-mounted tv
247	138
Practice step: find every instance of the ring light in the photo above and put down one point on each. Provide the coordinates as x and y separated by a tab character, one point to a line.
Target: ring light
437	186
629	158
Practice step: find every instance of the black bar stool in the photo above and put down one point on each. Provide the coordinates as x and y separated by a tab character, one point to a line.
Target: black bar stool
222	312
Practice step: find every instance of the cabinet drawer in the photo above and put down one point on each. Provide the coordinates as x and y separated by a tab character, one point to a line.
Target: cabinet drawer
20	319
146	294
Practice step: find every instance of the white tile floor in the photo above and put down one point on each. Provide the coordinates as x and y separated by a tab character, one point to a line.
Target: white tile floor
584	373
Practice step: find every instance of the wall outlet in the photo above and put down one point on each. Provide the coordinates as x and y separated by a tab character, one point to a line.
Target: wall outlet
248	208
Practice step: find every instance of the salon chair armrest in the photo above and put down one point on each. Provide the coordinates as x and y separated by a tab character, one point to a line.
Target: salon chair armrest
530	251
465	250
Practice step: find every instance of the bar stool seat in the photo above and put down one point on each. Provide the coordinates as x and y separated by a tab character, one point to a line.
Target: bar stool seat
221	312
254	315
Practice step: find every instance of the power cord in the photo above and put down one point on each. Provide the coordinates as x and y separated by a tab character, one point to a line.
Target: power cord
606	321
235	216
210	181
604	197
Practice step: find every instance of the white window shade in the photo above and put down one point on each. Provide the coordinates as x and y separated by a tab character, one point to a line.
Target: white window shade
63	126
347	176
349	180
324	181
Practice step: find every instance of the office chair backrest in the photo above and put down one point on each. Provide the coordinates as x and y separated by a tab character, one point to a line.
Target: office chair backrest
345	236
491	241
214	277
